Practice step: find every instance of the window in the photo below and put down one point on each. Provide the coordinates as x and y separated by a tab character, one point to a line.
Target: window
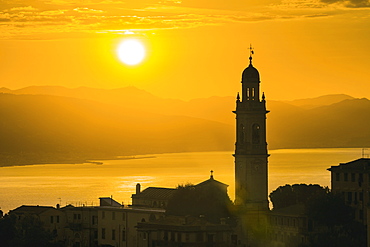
345	177
57	218
123	235
337	176
94	219
79	216
353	177
255	134
360	196
349	197
360	178
187	237
103	233
210	238
113	234
52	219
241	133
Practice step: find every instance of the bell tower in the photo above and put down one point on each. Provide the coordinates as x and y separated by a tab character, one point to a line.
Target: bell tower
251	154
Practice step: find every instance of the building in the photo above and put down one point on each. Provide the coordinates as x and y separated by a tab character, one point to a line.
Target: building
289	226
185	231
352	180
196	220
251	146
81	226
152	197
109	224
251	157
50	219
117	224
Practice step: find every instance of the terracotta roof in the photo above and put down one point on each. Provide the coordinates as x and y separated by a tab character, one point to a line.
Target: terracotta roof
155	193
24	209
108	201
359	164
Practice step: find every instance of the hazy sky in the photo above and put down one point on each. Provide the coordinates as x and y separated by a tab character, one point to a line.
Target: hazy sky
195	48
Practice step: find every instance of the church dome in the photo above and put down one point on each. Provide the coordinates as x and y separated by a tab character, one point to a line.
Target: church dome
250	74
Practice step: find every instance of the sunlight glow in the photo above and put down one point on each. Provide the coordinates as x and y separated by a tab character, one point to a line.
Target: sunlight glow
131	52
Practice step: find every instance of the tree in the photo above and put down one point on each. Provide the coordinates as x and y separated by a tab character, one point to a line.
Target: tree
288	195
210	202
335	220
28	232
333	224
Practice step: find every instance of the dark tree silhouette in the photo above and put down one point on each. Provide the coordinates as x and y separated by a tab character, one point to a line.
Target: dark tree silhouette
212	202
28	232
288	195
8	232
335	220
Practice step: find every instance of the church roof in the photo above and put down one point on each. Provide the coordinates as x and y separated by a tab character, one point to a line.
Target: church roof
211	181
156	193
250	74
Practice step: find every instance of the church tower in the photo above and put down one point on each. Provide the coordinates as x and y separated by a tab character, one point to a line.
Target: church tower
251	147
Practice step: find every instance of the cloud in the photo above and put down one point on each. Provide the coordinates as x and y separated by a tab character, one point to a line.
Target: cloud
27	8
88	11
349	3
309	4
101	16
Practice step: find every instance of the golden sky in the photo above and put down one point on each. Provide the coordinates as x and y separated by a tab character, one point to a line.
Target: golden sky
195	48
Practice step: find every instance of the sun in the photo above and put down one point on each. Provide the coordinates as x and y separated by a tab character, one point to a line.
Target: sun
131	51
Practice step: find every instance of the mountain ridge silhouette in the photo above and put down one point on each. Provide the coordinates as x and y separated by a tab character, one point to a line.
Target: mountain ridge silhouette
100	123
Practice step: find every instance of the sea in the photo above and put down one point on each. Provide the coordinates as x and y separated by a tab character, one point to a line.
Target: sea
83	184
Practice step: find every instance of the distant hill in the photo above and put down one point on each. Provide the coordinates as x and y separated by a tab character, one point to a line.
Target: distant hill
319	101
86	122
342	124
53	125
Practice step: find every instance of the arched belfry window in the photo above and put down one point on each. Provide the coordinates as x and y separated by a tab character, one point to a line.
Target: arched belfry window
248	92
255	134
252	93
241	133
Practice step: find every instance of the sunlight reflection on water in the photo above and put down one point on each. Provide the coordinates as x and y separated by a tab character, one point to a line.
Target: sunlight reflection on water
85	183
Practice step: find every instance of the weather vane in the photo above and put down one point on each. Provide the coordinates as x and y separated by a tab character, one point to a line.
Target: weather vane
251	52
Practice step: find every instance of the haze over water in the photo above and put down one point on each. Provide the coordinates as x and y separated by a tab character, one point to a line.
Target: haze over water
83	184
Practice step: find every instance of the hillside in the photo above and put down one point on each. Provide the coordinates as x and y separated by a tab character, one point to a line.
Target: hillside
85	123
54	125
